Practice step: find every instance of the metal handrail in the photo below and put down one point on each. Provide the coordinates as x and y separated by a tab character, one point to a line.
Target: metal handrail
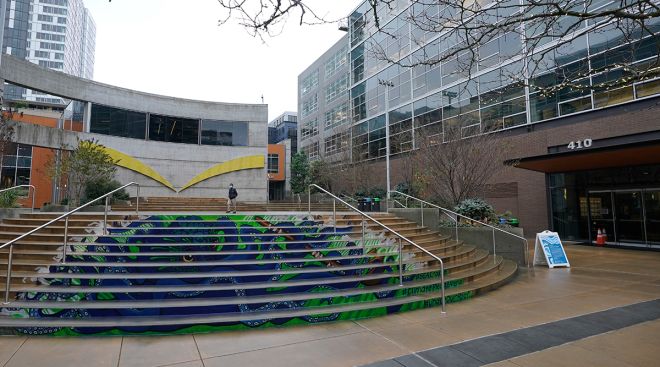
64	216
401	237
445	211
34	192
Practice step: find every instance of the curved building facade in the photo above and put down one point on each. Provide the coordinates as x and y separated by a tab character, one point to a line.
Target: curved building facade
171	146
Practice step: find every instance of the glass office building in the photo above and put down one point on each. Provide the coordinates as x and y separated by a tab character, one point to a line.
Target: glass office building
499	86
56	34
492	93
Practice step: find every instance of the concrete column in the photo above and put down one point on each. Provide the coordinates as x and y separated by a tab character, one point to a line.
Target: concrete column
87	117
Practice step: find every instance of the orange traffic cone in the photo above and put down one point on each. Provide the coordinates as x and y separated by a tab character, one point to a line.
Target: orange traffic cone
600	241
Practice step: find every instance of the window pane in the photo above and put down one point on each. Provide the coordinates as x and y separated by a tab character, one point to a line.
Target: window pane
232	133
117	122
173	129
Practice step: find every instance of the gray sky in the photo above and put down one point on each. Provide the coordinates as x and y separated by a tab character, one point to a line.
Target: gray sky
162	47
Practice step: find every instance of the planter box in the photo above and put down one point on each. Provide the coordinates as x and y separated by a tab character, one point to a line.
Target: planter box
507	246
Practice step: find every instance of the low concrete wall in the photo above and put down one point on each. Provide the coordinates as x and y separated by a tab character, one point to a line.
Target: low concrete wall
8	213
507	246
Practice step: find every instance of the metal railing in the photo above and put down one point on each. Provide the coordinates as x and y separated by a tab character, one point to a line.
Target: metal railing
64	216
397	234
457	216
34	192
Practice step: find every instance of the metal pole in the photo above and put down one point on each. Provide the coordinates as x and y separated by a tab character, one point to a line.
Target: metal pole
34	194
456	222
334	213
442	287
11	255
137	202
400	263
66	239
105	217
309	200
387	135
363	230
494	260
422	208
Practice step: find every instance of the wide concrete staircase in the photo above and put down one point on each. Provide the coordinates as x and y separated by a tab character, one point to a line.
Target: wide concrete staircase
185	204
180	273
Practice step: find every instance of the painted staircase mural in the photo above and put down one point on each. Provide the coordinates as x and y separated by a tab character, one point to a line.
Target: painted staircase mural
258	270
194	245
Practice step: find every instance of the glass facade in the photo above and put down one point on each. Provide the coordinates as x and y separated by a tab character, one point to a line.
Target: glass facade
133	124
173	129
59	35
16	165
493	87
231	133
118	122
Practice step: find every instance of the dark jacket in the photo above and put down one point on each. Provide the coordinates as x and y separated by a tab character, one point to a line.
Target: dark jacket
233	193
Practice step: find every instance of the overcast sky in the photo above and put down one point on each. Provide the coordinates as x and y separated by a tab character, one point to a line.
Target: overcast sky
164	47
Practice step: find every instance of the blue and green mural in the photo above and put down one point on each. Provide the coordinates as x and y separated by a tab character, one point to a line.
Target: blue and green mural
251	260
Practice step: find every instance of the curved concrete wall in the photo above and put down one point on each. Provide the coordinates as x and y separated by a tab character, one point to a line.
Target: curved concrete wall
29	75
177	163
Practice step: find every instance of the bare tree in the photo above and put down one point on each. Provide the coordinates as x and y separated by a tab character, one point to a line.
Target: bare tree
456	167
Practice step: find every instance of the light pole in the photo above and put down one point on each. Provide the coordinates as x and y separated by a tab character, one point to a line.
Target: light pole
387	84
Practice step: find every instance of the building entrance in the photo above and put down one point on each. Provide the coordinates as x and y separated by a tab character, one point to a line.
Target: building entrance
624	203
626	217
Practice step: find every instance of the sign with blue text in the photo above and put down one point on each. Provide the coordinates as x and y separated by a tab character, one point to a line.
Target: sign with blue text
549	244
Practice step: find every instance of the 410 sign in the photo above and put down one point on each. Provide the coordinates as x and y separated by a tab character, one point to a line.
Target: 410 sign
579	144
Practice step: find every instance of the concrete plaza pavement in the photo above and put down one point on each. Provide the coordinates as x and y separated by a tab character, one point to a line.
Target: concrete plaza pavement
599	279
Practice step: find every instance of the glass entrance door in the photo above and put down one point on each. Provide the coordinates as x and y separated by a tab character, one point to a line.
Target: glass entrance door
601	210
627	217
629	222
652	214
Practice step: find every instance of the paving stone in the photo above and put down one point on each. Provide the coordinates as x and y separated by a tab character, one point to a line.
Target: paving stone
387	363
412	360
616	318
450	357
572	329
492	348
650	310
533	338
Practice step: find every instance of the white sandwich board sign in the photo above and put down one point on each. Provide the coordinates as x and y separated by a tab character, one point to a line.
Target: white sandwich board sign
548	250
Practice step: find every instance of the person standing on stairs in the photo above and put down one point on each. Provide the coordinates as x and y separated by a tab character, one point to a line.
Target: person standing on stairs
231	201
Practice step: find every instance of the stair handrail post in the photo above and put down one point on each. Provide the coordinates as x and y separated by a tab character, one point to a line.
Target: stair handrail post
309	200
456	216
401	264
105	217
395	233
137	202
8	285
334	213
494	248
34	195
65	243
422	211
364	244
30	188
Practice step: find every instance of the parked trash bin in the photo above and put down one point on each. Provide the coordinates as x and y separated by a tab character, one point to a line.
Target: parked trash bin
361	202
367	204
514	222
376	206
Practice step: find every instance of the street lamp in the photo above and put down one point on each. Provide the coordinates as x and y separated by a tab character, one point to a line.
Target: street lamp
387	84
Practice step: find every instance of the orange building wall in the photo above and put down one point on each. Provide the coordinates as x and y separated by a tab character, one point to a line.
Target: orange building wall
280	150
40	157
